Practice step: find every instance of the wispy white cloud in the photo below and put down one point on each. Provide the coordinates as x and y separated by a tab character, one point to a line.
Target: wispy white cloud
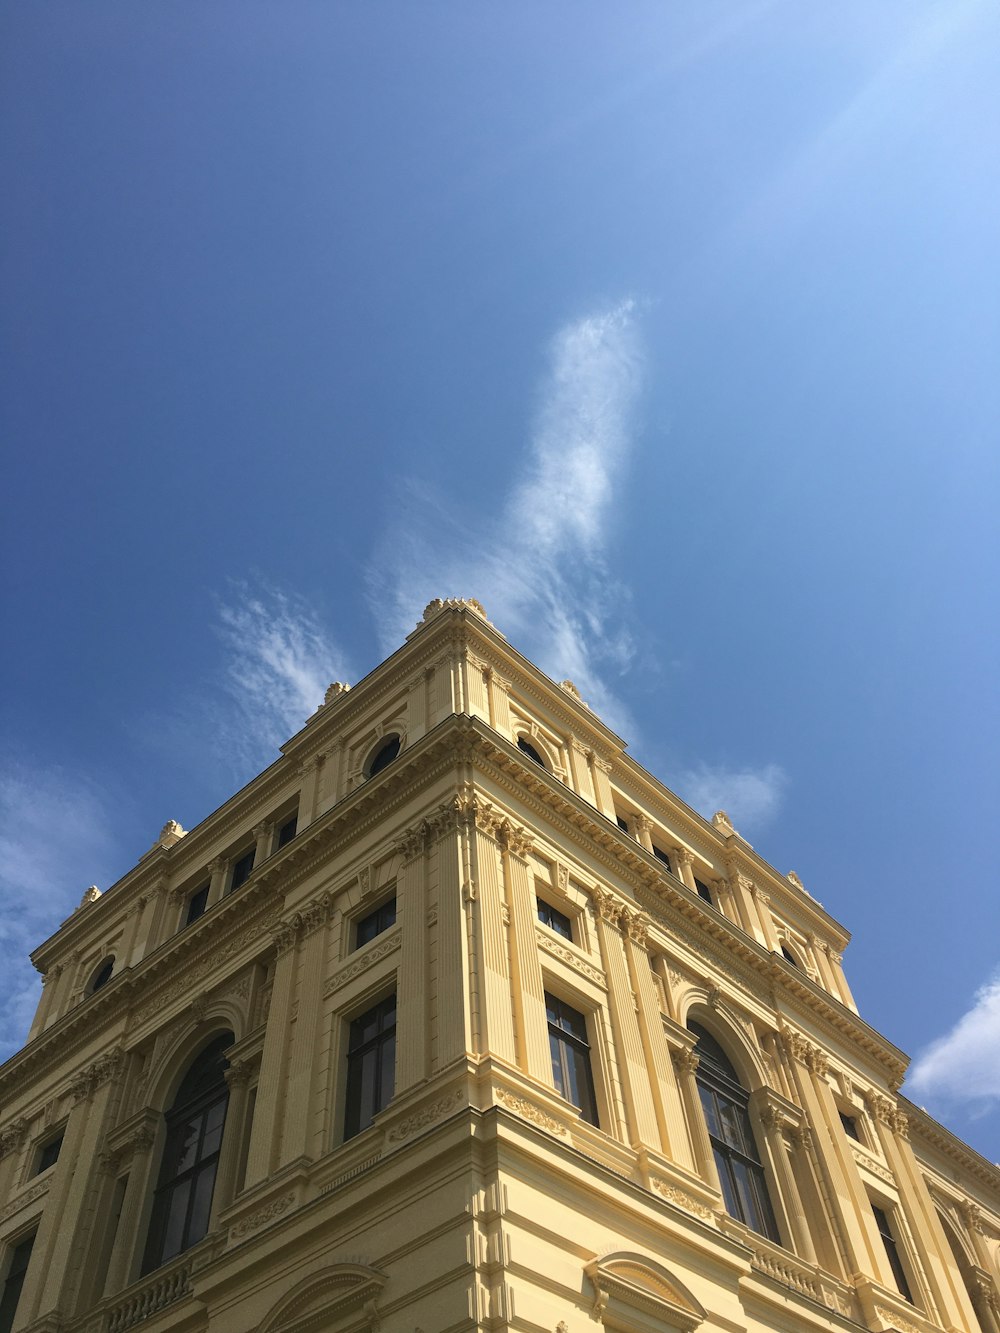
749	796
539	566
961	1068
279	660
56	837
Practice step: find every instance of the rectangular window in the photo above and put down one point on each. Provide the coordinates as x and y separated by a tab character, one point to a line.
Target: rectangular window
17	1266
892	1253
287	831
850	1126
661	855
371	1066
375	923
242	869
554	919
570	1051
704	892
622	823
197	904
49	1154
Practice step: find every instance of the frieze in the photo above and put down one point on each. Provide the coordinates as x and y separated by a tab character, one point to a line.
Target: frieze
264	1215
364	960
208	965
572	959
866	1160
427	1116
896	1321
23	1199
681	1199
529	1111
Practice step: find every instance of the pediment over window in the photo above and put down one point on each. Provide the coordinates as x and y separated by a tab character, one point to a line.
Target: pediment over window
341	1295
635	1293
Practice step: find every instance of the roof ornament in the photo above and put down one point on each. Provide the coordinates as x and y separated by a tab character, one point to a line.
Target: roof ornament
334	691
90	895
723	823
439	604
170	833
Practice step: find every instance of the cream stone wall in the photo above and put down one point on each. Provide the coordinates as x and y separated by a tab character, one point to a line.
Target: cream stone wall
479	1198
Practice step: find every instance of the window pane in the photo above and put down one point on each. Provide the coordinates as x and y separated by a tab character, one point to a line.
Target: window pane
201	1204
722	1165
711	1111
176	1210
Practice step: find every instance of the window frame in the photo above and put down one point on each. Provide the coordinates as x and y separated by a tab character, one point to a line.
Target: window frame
742	1175
553	911
895	1248
98	980
376	914
191	916
356	1117
186	1180
14	1245
563	1041
44	1147
236	867
384	742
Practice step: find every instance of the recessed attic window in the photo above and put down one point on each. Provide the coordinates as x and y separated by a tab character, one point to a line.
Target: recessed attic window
527	748
102	976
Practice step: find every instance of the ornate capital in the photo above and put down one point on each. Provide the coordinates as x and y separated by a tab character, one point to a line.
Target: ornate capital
263	829
283	934
637	924
605	906
412	842
685	1060
216	864
13	1136
516	840
238	1074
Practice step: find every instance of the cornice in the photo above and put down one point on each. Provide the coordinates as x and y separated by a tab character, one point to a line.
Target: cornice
924	1127
655	889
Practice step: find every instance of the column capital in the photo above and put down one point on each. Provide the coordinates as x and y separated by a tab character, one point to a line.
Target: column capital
685	1059
605	906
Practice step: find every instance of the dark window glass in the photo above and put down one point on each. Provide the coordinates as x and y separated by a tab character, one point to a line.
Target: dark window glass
527	748
375	923
242	869
788	956
197	904
49	1155
371	1066
570	1051
16	1269
287	831
622	823
892	1253
850	1126
554	919
661	855
724	1101
704	892
103	975
182	1204
384	757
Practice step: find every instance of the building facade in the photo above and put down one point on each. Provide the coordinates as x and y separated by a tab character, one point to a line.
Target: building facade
455	1019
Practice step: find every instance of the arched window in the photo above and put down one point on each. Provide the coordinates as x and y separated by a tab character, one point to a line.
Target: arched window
384	756
724	1101
102	976
182	1205
526	747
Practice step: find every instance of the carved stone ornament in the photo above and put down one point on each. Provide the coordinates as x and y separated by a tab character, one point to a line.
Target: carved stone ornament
562	878
264	1215
106	1067
685	1060
171	833
682	1199
439	604
605	905
570	689
335	691
529	1111
723	823
637	924
13	1136
427	1115
90	895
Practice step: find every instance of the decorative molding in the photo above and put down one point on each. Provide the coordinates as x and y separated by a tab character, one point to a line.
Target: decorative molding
365	959
263	1215
569	956
23	1199
12	1138
412	1124
681	1199
106	1067
685	1060
529	1111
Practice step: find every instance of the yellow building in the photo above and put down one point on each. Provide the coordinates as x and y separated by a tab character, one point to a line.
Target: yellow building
455	1019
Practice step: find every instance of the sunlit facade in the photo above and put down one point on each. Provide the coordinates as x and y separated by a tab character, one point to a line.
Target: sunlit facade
456	1019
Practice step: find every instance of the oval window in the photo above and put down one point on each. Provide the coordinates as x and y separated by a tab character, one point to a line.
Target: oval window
384	756
102	976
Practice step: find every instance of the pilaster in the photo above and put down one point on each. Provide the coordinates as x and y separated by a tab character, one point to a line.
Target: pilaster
266	1129
412	1014
488	911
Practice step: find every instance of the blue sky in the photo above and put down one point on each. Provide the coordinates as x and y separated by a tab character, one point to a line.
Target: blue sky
669	331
